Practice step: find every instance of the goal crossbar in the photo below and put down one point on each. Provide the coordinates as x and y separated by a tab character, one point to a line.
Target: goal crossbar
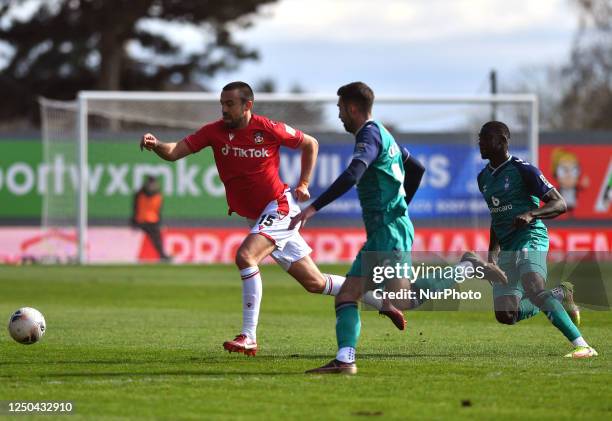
84	97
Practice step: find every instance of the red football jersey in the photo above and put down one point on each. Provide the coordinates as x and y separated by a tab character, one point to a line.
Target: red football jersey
247	160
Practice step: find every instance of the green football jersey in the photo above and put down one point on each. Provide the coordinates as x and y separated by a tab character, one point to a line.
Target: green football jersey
380	189
513	188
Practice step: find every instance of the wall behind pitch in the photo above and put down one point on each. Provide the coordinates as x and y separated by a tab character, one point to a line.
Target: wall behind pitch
20	245
193	191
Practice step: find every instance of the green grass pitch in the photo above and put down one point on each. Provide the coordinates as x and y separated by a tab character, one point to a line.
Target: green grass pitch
145	342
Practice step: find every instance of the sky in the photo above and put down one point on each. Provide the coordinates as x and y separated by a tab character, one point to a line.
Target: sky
404	47
398	47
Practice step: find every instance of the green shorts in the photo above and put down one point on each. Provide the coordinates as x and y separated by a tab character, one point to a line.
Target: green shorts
393	240
525	253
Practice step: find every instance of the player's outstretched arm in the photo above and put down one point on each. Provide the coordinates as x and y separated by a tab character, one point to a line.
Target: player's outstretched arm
310	150
343	183
554	205
413	174
170	151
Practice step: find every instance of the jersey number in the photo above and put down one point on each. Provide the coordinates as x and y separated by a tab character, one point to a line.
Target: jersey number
266	220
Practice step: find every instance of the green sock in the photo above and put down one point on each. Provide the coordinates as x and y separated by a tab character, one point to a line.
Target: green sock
558	316
348	324
527	309
430	284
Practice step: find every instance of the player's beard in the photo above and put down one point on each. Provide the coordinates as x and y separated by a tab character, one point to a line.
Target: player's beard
348	125
233	123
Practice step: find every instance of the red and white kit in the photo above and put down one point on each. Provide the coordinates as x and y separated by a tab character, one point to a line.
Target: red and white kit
248	161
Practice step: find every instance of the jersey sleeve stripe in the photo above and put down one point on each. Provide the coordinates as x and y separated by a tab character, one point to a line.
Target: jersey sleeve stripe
300	139
189	144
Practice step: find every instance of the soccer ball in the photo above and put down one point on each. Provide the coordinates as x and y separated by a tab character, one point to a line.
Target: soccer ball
27	325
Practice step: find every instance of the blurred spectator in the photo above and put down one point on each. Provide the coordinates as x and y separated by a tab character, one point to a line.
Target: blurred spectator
147	213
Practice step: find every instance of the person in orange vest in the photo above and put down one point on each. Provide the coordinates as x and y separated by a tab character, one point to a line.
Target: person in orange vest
146	213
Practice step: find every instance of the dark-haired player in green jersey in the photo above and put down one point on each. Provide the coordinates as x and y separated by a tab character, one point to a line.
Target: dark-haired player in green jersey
513	190
378	169
387	177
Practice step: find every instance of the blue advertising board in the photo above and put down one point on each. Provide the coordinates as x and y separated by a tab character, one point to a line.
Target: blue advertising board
448	188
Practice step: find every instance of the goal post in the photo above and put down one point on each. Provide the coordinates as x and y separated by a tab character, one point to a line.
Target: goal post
97	113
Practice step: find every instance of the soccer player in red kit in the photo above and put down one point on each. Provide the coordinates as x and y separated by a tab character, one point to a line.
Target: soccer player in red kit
246	150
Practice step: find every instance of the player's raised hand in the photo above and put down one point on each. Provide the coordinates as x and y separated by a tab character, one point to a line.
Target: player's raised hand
302	217
301	193
148	142
522	220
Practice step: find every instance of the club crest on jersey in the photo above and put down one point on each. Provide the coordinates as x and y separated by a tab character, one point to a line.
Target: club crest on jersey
231	136
507	184
259	139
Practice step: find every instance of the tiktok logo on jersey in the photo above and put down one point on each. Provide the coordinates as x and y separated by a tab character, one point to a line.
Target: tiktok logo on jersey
245	153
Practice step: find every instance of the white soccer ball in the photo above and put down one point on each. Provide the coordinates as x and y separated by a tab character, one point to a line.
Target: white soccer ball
27	325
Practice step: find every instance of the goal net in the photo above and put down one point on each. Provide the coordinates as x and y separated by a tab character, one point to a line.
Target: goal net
91	152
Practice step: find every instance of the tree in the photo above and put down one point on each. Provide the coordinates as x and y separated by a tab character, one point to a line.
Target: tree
587	77
266	85
69	45
548	84
578	94
308	116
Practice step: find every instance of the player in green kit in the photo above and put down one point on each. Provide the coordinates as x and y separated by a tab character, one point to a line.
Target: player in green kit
378	169
513	189
387	178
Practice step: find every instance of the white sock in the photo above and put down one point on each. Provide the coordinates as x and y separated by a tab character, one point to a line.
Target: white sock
251	299
369	299
579	341
346	355
333	283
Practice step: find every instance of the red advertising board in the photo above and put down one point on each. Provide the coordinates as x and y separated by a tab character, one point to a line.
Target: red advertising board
583	176
219	245
331	245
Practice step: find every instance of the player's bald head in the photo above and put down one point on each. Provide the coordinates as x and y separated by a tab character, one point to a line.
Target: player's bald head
244	90
496	130
493	140
358	94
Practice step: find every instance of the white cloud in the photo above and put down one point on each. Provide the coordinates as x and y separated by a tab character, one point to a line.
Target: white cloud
401	20
423	46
